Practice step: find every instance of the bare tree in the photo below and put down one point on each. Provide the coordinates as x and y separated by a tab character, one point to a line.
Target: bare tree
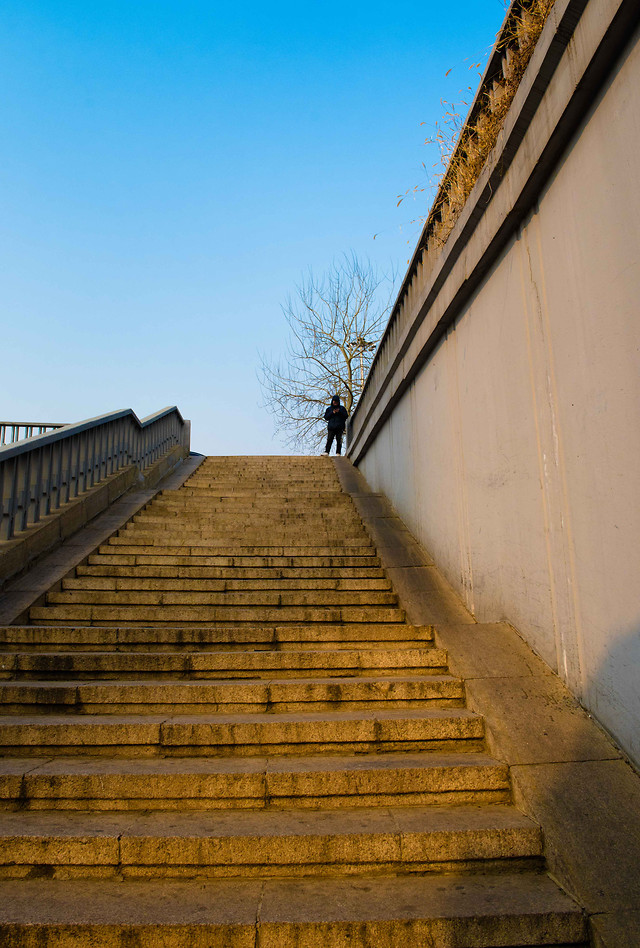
335	324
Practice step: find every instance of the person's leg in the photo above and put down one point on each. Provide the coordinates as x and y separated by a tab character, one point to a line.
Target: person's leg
339	442
329	442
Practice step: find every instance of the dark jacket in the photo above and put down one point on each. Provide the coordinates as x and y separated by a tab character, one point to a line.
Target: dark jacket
336	421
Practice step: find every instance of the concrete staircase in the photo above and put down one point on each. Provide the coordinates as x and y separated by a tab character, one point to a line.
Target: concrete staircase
221	731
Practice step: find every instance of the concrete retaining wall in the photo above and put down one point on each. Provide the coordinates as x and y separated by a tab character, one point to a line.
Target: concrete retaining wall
501	416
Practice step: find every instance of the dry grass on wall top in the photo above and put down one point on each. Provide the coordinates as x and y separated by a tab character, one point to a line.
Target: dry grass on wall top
516	43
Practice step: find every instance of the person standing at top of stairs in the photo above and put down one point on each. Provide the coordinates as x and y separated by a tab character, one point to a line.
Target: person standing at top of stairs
336	417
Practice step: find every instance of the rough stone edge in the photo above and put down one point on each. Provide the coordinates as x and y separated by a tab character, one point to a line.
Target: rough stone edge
30	586
417	597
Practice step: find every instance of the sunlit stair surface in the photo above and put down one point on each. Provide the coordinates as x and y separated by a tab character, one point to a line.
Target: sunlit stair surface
222	731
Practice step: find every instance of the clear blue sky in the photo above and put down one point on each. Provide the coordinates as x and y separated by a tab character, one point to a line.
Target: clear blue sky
169	170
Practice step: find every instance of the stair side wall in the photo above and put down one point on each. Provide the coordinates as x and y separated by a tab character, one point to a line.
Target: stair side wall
509	442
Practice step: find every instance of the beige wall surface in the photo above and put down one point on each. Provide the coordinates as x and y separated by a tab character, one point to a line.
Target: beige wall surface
514	455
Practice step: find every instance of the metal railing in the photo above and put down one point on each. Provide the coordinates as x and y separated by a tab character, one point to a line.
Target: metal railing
40	474
12	431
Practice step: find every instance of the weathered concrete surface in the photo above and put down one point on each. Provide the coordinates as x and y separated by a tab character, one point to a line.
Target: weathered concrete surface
616	931
101	783
385	912
501	414
566	772
410	569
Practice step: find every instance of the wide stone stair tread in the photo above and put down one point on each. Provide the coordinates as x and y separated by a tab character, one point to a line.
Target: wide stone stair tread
257	782
267	841
363	550
174	613
233	573
259	597
221	695
226	585
331	561
324	636
386	912
249	733
238	664
224	554
306	532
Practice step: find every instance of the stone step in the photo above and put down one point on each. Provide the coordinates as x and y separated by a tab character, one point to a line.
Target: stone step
214	512
238	664
268	488
228	531
242	574
483	911
183	613
263	843
309	474
114	556
324	636
231	697
112	783
330	505
363	551
224	735
223	537
135	581
183	505
337	509
202	596
312	473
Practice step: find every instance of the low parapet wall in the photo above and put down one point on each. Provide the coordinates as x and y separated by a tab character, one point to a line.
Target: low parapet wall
501	412
55	482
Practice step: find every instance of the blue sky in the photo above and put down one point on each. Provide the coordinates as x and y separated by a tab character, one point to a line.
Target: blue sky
169	171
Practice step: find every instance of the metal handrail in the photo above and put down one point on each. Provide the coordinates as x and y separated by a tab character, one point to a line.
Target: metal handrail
40	474
30	429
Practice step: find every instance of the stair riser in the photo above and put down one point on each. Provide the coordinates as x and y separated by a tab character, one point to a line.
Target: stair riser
147	749
252	791
240	546
234	574
226	707
443	732
185	615
242	586
120	801
251	856
172	674
117	665
242	557
321	598
173	560
188	514
196	637
361	934
216	691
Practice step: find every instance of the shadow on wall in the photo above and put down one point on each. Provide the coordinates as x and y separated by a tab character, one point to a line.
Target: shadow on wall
611	692
588	803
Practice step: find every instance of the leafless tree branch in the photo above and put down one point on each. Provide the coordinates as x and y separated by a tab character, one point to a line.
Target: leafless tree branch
335	324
